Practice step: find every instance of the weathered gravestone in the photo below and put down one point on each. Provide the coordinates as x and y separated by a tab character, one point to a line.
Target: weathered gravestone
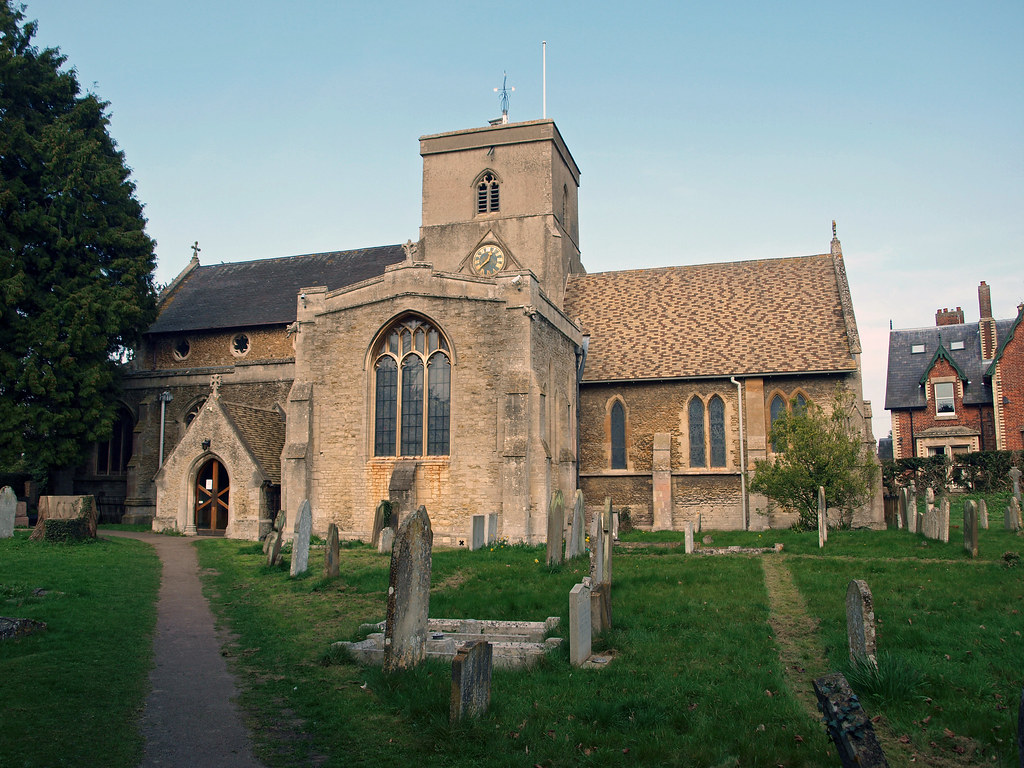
971	528
471	680
300	543
73	517
381	520
405	633
331	565
478	536
492	527
901	509
982	514
929	499
1011	521
943	520
912	508
579	624
688	538
556	528
860	622
822	522
577	544
274	541
387	541
278	526
1015	479
601	572
21	518
8	510
847	723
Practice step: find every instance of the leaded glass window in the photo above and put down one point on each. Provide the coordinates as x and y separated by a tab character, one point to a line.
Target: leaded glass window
716	417
775	410
412	392
618	436
696	422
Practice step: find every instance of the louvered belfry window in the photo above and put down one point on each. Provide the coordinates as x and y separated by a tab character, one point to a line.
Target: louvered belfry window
412	391
487	200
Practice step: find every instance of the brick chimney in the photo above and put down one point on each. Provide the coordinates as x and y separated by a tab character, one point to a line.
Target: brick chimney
947	317
987	326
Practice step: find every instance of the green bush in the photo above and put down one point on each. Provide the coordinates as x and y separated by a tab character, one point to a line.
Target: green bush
64	531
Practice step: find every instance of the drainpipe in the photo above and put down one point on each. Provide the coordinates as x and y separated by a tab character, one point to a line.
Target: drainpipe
743	455
581	362
165	398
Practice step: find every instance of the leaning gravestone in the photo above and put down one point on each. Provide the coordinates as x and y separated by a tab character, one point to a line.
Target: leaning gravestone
577	544
860	622
1011	521
331	565
405	634
982	514
556	527
381	520
579	625
847	723
8	509
387	541
300	544
274	541
277	528
471	680
971	528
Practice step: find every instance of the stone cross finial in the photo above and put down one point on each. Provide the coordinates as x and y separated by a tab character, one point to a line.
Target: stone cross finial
215	386
833	227
195	250
410	249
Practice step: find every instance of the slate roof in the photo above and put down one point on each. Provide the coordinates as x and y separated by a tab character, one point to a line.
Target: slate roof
262	432
903	381
734	318
263	292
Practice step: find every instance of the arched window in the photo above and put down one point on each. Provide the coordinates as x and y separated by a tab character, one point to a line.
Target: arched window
799	403
412	391
618	435
113	455
194	411
775	410
696	422
487	199
716	415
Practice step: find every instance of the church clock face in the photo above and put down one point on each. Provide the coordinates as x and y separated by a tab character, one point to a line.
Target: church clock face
488	260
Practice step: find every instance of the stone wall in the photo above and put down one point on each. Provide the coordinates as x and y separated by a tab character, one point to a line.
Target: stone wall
213	348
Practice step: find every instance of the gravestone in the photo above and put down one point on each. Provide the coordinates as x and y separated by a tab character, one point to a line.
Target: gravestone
929	499
912	508
1015	480
21	517
607	543
274	540
405	633
688	541
860	622
300	544
943	520
478	537
822	523
847	723
8	510
77	514
971	528
492	527
381	520
577	536
387	541
901	508
556	527
597	551
332	553
277	527
1011	521
579	625
471	680
615	526
982	514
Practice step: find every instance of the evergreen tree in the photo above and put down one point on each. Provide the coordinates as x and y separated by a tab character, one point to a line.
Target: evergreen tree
76	286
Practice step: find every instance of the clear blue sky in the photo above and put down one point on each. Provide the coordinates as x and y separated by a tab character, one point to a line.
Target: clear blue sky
704	131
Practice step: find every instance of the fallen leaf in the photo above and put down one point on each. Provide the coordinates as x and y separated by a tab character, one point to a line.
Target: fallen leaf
948	733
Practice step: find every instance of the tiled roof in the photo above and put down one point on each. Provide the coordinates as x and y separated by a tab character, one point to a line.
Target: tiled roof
263	292
734	318
903	380
262	432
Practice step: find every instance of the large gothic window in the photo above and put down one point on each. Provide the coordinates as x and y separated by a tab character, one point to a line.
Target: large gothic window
618	435
716	415
412	391
696	424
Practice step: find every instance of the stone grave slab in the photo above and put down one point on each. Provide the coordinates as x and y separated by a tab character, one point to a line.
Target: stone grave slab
847	723
556	527
471	680
577	544
332	567
300	544
387	541
80	508
8	511
405	635
478	539
579	625
971	528
860	622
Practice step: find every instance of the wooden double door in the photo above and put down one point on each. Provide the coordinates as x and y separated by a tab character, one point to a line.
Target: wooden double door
212	496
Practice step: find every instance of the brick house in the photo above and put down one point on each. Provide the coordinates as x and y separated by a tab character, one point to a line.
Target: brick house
476	370
957	387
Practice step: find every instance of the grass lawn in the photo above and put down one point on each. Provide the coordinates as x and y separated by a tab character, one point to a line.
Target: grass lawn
696	679
72	693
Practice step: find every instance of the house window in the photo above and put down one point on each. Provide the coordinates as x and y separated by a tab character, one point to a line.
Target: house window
944	398
618	435
716	416
695	416
487	199
412	391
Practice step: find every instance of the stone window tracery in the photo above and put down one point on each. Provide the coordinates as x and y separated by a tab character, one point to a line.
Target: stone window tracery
488	194
412	391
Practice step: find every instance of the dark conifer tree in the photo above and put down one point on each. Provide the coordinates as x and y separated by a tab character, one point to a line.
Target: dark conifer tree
76	266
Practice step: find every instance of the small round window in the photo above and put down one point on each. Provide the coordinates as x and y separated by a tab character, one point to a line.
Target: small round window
240	345
181	348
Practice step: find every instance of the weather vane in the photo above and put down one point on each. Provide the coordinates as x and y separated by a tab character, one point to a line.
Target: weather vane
504	91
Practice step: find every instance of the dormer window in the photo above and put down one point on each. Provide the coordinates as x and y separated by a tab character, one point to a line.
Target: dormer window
957	345
917	349
487	198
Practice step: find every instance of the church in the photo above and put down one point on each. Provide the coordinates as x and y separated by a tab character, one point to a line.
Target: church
475	371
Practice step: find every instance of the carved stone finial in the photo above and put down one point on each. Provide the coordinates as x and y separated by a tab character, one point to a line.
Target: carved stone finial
410	249
195	250
215	386
833	227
